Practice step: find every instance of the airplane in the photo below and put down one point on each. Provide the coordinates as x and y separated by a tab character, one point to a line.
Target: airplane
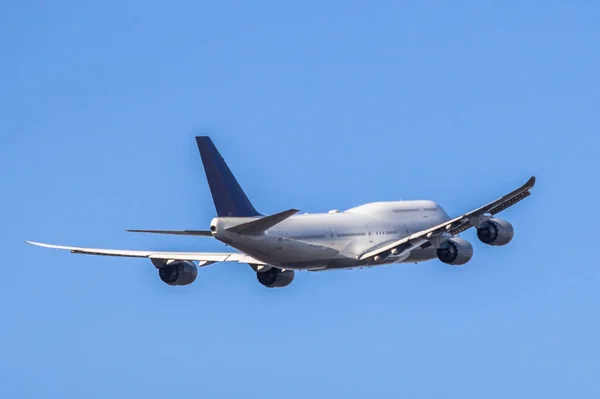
278	245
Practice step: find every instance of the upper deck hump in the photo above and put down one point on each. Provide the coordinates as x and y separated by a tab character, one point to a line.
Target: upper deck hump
395	206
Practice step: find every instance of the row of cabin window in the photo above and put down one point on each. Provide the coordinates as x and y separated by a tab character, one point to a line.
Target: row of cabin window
323	236
307	237
351	234
380	233
414	210
343	235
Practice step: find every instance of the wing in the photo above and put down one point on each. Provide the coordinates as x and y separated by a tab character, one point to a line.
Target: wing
203	257
456	225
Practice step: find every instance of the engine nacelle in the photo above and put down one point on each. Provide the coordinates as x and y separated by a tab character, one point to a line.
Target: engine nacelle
275	278
495	232
455	251
178	272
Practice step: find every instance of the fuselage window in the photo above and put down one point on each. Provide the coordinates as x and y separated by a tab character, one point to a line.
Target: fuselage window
351	234
307	237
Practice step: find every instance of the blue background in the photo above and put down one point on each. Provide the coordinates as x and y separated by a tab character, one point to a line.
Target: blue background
315	105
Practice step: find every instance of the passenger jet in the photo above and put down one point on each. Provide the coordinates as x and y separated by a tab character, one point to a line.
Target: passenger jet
277	245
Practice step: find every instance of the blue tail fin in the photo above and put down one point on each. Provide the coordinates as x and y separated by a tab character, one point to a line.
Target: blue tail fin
229	198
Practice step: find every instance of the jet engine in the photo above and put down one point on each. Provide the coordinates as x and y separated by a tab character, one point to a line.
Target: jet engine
495	232
455	251
275	278
179	272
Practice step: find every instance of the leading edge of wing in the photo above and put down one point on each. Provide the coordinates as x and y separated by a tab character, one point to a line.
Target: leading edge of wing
191	256
201	233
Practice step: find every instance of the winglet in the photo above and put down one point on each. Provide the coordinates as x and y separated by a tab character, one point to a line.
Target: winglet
40	244
530	183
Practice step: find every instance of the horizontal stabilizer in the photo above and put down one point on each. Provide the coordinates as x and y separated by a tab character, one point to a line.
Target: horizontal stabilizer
262	224
203	233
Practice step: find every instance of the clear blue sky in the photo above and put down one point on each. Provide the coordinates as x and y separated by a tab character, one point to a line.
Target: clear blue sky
315	105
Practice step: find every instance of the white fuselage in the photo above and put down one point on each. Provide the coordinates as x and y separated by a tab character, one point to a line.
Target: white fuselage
336	239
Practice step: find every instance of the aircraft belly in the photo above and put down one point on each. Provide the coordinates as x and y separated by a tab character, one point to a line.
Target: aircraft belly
304	255
291	254
421	255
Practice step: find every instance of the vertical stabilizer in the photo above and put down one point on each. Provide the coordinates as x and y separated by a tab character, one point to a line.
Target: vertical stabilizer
228	196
